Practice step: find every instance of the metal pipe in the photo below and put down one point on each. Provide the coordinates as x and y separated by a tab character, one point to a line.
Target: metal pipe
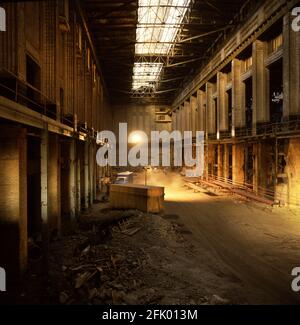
203	35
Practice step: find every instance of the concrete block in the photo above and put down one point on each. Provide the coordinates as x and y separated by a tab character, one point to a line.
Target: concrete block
131	196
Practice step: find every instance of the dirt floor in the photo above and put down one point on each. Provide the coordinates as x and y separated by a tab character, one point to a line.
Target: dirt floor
244	251
204	249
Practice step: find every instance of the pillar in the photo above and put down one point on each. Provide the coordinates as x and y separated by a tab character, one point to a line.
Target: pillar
261	106
45	204
238	113
72	182
54	184
194	117
238	162
86	176
174	119
201	110
182	118
220	161
256	171
78	183
223	109
92	159
211	114
13	202
291	74
226	162
187	116
177	119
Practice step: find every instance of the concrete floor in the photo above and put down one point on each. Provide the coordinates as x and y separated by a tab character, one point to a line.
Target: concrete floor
252	246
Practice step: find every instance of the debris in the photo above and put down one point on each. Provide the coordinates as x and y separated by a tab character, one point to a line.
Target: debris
80	267
83	278
131	232
93	293
100	269
131	299
217	300
115	259
63	298
111	270
117	297
86	250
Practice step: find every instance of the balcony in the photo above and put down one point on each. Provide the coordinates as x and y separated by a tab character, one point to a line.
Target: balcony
11	87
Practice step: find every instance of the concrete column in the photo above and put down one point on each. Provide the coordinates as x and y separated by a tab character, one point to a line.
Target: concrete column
13	202
187	116
238	161
226	162
211	113
201	110
261	106
238	113
92	158
178	119
290	191
45	204
72	182
291	74
210	160
194	115
78	184
174	119
184	116
181	118
223	109
54	184
256	154
266	164
96	178
86	176
220	160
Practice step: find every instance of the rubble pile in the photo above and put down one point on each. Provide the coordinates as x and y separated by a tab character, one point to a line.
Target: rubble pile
129	257
96	269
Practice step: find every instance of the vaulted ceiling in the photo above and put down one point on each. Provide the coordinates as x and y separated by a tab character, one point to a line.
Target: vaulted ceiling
113	26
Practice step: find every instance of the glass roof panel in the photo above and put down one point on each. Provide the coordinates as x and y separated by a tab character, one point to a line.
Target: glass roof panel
146	74
159	22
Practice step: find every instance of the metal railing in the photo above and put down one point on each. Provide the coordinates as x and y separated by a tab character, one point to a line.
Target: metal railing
262	129
19	91
11	87
263	192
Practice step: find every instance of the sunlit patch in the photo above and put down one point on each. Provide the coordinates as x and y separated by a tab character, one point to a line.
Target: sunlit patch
136	137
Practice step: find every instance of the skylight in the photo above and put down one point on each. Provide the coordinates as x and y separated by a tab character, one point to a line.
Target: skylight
159	22
146	75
